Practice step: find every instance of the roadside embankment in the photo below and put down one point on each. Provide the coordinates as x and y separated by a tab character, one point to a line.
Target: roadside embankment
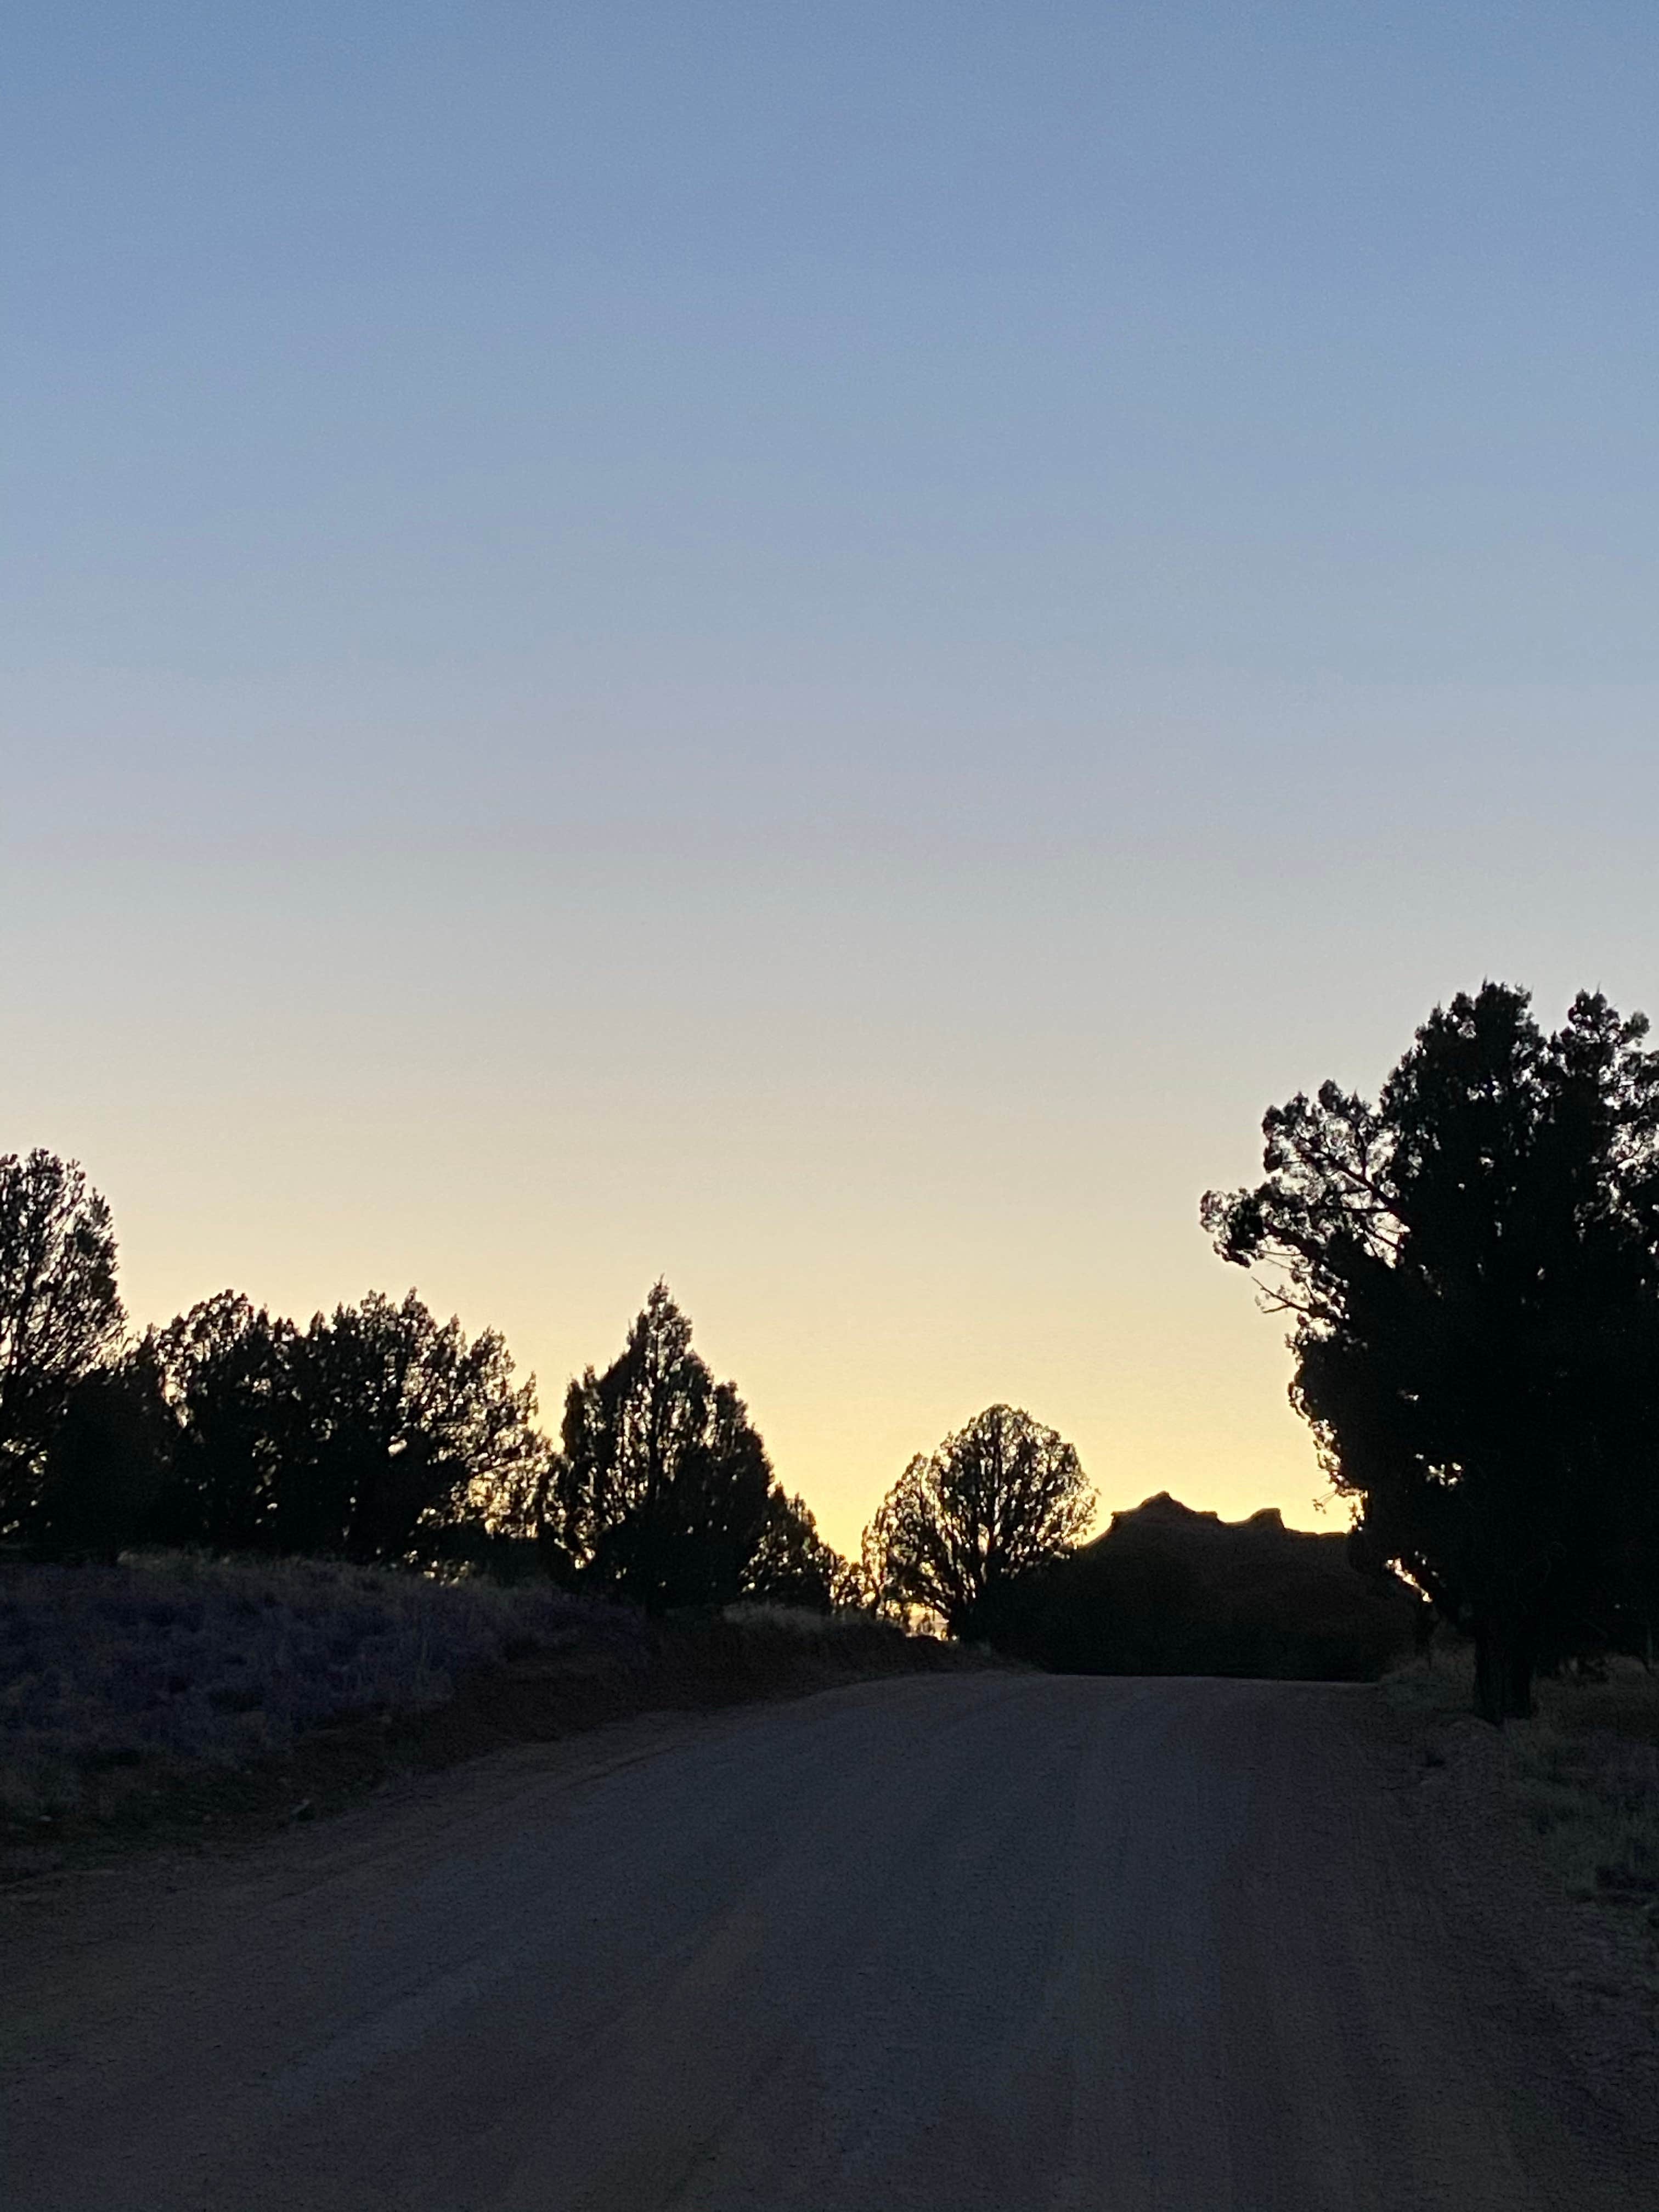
179	1698
1583	1775
1573	1795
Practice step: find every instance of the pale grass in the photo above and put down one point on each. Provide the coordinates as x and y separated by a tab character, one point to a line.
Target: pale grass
1584	1769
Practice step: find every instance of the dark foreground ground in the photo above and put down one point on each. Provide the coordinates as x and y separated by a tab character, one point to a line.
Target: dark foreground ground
988	1941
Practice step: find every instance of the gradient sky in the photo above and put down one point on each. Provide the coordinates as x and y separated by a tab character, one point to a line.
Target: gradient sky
811	649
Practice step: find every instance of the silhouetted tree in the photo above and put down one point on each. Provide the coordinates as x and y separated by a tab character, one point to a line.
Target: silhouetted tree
60	1315
231	1373
1001	1497
1471	1266
662	1491
379	1434
408	1429
792	1564
108	1460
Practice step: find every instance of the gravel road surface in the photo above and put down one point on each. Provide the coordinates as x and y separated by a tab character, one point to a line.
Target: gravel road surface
968	1942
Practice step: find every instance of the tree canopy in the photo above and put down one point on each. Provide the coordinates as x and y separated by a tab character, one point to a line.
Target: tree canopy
1471	1264
662	1491
229	1373
376	1433
792	1565
409	1426
60	1313
107	1460
998	1498
373	1435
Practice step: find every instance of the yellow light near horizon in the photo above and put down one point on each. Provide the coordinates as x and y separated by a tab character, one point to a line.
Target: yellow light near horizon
875	1229
847	1370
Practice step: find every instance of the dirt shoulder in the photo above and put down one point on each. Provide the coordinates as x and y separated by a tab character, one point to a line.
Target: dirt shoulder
1525	1825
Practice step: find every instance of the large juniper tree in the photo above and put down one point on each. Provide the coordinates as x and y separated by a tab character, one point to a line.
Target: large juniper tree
378	1433
1472	1268
662	1491
410	1427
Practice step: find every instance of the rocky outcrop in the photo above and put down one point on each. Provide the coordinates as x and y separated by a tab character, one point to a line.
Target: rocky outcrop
1167	1590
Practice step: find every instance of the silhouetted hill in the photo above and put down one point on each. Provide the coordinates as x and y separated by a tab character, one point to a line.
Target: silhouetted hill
1167	1590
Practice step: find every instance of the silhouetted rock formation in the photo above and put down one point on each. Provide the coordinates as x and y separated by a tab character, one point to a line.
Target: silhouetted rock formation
1170	1591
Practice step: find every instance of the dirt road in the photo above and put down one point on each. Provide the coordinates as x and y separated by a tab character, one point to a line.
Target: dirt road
973	1941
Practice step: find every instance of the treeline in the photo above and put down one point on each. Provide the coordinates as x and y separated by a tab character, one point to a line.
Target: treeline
1470	1265
376	1433
379	1434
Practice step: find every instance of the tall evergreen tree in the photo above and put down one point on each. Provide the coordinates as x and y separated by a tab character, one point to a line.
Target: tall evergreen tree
1472	1268
662	1491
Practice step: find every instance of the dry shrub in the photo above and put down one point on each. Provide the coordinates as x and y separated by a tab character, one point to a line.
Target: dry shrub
1590	1766
170	1660
1584	1770
125	1691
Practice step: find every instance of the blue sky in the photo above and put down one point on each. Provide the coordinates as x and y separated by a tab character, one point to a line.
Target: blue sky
812	647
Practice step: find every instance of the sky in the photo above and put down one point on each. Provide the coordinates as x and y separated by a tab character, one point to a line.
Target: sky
812	651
